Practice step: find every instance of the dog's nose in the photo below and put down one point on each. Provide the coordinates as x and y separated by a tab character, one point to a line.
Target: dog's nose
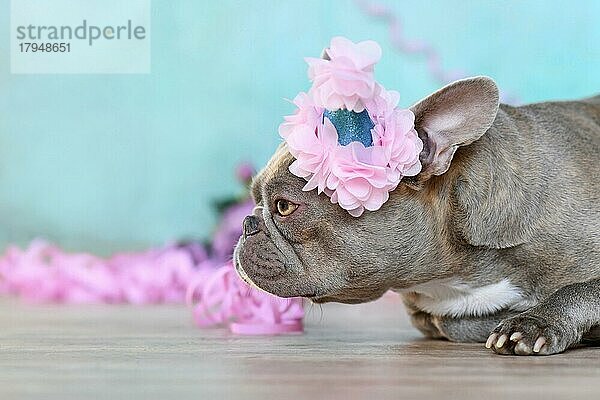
250	225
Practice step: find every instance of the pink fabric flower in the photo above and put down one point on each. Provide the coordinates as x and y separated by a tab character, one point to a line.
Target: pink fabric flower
356	177
307	113
346	78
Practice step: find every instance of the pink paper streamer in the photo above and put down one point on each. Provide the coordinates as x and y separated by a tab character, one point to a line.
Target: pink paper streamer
223	298
44	273
418	47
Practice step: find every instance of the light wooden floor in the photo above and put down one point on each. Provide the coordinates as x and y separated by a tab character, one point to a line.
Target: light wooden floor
367	351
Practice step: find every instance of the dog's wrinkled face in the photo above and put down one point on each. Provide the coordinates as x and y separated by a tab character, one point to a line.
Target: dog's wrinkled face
298	243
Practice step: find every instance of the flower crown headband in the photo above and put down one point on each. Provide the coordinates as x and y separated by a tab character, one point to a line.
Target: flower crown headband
349	138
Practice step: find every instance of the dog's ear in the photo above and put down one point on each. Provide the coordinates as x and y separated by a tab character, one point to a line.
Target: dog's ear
454	116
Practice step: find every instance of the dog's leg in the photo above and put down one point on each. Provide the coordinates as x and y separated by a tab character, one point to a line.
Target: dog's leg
475	329
463	329
557	323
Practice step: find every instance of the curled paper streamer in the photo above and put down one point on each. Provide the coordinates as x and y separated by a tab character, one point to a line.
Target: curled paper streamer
410	46
44	273
418	47
223	298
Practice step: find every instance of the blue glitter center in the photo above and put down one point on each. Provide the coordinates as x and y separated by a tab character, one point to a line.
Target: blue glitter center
351	126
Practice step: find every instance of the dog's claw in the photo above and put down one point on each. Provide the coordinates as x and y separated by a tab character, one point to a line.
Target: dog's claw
501	341
539	343
491	340
515	337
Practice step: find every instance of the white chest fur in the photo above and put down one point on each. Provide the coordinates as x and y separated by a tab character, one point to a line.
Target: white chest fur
457	299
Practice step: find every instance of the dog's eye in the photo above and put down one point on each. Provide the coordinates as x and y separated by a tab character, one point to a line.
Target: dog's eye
285	207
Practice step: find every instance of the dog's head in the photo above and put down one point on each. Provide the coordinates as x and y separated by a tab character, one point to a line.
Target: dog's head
298	243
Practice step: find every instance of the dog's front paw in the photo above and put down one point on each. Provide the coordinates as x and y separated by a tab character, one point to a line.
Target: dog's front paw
530	334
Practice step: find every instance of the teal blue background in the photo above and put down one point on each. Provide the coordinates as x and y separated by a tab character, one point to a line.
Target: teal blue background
113	162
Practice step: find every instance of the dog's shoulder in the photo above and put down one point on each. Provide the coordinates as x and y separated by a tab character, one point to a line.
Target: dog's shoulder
560	122
533	170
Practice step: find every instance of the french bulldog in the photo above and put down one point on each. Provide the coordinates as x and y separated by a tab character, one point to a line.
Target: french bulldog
496	240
